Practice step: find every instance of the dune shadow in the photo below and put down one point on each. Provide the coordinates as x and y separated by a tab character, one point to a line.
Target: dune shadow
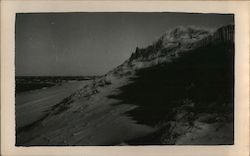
204	76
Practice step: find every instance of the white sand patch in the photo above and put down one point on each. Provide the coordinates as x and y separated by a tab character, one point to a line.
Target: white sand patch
89	120
31	106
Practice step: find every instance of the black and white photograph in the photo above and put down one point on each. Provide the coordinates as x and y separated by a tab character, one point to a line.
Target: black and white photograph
124	78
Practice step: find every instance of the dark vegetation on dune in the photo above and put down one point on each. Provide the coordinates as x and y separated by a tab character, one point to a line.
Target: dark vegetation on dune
204	76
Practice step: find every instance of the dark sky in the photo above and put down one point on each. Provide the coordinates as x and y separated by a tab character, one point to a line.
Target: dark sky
92	43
